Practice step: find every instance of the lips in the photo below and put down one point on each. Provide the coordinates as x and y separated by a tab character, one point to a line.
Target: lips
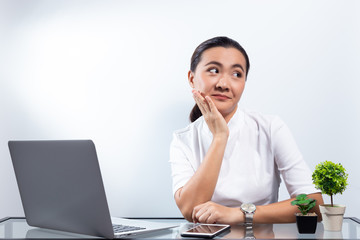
220	96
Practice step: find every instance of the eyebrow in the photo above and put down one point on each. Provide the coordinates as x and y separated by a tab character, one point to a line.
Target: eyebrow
220	65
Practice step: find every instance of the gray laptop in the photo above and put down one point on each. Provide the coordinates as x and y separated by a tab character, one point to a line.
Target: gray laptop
61	188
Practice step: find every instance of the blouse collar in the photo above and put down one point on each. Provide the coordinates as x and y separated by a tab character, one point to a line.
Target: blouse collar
235	124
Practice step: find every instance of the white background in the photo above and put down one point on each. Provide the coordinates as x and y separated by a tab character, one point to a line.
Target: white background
116	72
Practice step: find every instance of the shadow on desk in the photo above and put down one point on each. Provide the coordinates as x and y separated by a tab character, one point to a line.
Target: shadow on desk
279	231
42	233
259	231
48	233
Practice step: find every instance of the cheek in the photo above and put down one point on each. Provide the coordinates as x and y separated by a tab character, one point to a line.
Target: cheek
202	84
238	89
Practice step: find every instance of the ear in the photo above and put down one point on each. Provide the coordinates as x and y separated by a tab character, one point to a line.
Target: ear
191	78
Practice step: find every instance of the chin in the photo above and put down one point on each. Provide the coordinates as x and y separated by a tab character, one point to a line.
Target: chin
224	107
226	111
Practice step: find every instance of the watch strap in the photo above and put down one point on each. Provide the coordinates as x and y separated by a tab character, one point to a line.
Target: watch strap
249	218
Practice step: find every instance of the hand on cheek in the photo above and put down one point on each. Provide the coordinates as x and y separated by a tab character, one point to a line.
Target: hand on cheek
212	116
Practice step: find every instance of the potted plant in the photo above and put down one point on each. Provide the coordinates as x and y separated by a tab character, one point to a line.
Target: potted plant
331	179
306	222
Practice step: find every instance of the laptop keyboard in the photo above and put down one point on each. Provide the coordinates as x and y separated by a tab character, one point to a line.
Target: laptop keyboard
124	228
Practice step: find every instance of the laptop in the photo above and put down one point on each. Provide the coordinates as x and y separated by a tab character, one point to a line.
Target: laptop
61	188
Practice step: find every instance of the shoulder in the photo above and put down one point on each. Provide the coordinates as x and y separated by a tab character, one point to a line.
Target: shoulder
186	140
189	131
191	136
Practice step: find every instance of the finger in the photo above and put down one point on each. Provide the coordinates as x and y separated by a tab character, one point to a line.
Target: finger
200	212
211	104
198	93
194	212
202	94
200	105
201	102
211	219
199	96
207	213
193	216
204	216
197	212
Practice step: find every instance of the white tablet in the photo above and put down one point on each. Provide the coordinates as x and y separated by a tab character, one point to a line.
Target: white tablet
205	230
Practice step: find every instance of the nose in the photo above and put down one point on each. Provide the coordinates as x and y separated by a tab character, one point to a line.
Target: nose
222	84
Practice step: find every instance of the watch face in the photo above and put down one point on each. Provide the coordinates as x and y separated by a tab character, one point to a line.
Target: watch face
248	207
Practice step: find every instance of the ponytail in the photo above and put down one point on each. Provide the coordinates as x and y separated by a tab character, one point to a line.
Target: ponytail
195	113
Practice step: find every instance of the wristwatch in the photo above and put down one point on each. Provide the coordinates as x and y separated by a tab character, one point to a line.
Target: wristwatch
248	209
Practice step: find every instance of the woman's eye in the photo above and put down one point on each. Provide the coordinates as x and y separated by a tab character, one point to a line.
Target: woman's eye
237	74
213	70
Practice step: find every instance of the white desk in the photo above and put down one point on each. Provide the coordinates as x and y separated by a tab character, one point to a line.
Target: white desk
11	228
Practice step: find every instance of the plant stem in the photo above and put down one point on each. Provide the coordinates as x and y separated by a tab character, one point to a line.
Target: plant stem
331	196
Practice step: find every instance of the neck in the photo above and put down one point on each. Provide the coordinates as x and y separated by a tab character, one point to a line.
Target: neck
228	116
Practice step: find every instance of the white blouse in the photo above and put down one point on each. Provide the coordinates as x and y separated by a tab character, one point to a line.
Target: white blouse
260	148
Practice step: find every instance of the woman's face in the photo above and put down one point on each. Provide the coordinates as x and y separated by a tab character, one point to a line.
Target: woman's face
221	74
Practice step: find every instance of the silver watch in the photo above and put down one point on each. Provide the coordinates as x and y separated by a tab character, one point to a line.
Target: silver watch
248	209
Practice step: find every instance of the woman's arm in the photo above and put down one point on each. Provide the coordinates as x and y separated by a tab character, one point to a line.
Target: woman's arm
200	188
280	212
284	212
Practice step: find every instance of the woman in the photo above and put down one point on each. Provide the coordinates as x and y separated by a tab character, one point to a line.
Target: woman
228	157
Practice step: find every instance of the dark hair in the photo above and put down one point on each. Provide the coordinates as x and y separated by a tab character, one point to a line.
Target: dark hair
196	58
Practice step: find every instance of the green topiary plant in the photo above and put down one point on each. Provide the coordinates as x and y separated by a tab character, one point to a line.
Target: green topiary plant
330	178
304	203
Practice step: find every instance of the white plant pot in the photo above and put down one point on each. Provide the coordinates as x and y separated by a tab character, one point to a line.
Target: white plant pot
332	217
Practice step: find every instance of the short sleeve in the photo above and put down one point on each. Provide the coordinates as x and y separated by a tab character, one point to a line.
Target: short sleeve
293	168
181	167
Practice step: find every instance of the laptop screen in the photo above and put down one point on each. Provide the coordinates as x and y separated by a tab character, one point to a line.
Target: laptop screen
61	186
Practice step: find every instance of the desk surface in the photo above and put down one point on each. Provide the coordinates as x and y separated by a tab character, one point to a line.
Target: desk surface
18	228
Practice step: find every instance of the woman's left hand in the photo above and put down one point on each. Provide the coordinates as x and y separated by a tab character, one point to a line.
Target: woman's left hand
211	212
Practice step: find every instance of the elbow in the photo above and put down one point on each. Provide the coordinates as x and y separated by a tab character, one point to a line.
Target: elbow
188	217
186	212
185	208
